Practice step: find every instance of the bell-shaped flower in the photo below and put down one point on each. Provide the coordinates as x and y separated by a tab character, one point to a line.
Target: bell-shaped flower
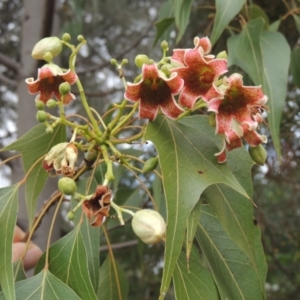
239	103
155	90
200	74
50	76
203	44
97	207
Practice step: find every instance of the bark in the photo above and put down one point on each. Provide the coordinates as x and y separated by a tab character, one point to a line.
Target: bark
37	23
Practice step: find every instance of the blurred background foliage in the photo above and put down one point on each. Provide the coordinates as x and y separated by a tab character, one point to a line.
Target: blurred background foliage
121	29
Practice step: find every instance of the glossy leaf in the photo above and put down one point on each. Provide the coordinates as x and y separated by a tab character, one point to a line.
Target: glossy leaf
257	52
188	167
33	145
43	286
8	216
113	284
227	261
193	283
295	66
68	262
226	10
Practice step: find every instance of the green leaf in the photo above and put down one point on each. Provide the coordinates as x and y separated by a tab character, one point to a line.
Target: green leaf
227	261
275	25
295	66
235	212
192	223
43	286
68	262
113	284
226	10
275	46
33	145
253	12
257	52
188	166
194	283
8	216
161	27
182	10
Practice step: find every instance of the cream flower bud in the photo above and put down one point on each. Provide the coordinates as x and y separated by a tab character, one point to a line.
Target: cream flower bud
50	44
149	226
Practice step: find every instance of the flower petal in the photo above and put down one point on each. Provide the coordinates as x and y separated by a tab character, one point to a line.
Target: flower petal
171	108
133	91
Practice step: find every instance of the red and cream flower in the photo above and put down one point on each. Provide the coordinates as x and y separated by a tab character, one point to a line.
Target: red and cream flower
50	76
155	90
199	74
240	103
97	207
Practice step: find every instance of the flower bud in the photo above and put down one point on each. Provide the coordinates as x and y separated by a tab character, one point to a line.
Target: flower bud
141	59
41	116
149	226
150	164
64	88
222	54
67	186
258	154
164	45
49	130
51	103
80	38
50	44
39	105
212	119
66	37
70	215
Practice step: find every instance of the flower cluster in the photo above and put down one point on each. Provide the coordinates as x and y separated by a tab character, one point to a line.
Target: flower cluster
195	75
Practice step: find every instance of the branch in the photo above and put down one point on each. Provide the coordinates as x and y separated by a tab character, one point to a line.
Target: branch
7	80
107	63
120	245
10	63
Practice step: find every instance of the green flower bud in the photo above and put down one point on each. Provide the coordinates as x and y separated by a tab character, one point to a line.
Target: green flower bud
51	103
222	54
67	186
39	105
64	88
149	226
258	154
41	116
114	62
212	119
80	38
70	215
150	164
141	59
50	44
164	45
66	37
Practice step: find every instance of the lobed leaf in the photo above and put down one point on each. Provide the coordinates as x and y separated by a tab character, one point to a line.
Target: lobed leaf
113	284
8	216
228	262
43	286
195	282
68	262
33	145
188	165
